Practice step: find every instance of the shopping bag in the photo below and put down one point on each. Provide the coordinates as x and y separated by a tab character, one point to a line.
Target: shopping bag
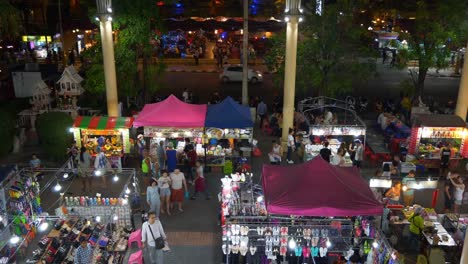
187	195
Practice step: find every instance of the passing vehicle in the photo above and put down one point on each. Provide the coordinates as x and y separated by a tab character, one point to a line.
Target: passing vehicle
233	73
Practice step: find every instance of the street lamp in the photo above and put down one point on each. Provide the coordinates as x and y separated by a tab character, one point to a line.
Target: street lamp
292	16
104	17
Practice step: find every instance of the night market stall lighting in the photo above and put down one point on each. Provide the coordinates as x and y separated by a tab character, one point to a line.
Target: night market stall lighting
43	226
14	239
380	183
57	187
116	178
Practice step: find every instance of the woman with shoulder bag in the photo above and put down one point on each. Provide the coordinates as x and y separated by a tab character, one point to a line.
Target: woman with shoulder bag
154	239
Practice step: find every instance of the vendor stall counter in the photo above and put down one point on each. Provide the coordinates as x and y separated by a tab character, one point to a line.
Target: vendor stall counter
432	132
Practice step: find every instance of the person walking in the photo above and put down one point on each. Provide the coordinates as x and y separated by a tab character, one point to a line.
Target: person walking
84	166
178	186
458	191
408	193
325	152
146	168
359	157
444	160
161	156
199	182
152	196
84	253
171	157
141	144
196	55
72	153
164	183
262	111
100	164
150	231
291	146
448	194
415	229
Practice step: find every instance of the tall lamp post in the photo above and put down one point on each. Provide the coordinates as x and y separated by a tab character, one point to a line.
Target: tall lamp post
245	55
104	16
462	100
292	17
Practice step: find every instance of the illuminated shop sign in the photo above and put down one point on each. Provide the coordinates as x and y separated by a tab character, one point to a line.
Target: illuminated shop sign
443	132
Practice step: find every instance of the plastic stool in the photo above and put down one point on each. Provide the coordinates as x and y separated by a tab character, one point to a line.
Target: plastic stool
136	258
135	237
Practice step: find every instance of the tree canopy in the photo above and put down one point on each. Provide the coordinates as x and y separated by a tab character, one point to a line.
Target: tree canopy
10	21
436	30
333	52
134	24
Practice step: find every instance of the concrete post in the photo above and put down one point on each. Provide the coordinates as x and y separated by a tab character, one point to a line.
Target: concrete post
245	55
289	77
109	66
462	100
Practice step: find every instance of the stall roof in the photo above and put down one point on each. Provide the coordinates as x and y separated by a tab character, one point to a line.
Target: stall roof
431	120
102	122
317	188
228	114
172	113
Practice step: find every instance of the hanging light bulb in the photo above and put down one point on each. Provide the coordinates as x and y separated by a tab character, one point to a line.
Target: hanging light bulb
57	187
404	188
260	199
292	244
43	226
97	173
328	244
116	217
125	201
116	178
98	218
65	175
14	239
127	191
375	244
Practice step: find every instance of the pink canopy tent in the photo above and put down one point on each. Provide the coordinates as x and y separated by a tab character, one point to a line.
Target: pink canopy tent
171	113
317	188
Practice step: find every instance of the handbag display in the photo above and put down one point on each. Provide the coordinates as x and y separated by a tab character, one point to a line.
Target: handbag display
158	242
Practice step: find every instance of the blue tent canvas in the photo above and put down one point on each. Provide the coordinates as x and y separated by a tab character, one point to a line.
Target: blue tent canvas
228	114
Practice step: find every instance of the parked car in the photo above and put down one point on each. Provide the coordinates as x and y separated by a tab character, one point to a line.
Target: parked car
233	73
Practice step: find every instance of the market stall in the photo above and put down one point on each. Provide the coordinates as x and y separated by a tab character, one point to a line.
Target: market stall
432	132
110	134
173	121
103	219
229	133
330	120
278	222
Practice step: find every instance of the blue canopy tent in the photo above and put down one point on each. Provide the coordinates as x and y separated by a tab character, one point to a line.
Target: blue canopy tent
228	125
228	114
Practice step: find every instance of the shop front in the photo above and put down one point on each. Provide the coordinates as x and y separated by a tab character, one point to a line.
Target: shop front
228	135
110	134
335	135
431	133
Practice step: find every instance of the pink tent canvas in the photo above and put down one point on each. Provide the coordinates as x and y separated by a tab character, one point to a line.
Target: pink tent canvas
171	113
317	188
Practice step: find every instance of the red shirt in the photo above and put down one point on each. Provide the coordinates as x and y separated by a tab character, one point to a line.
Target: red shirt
192	157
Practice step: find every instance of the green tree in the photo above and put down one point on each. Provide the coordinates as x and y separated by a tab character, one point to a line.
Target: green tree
134	23
53	130
332	54
10	21
436	25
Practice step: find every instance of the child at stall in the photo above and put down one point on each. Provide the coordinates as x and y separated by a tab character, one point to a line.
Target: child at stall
199	182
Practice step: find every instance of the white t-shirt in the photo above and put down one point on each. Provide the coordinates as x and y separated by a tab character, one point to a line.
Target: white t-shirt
157	230
164	182
290	141
458	193
177	180
200	172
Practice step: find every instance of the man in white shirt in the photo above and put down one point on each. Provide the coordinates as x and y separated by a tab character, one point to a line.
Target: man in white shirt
150	231
177	192
262	111
291	146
